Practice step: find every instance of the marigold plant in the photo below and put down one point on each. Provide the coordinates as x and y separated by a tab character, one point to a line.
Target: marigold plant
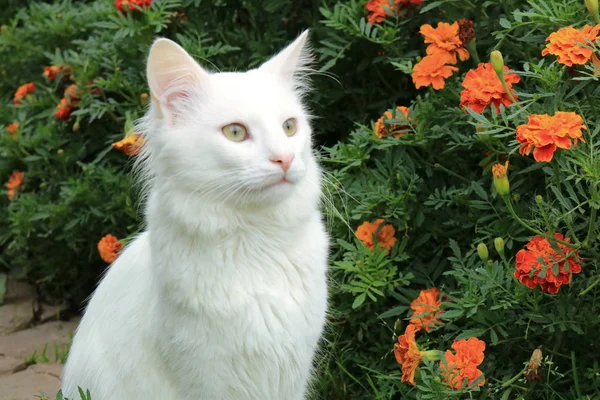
426	309
544	134
483	88
460	368
407	354
367	232
573	46
109	247
550	267
382	129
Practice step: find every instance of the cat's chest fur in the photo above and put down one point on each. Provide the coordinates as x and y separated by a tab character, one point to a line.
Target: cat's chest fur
256	304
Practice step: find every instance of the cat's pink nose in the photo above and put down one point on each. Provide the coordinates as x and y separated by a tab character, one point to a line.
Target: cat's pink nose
284	160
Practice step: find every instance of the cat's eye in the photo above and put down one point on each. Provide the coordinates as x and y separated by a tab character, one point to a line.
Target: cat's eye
235	132
289	126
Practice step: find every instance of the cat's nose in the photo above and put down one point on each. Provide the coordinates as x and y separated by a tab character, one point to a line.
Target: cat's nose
284	160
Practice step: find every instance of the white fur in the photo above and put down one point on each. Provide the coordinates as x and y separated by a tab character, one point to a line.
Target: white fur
224	296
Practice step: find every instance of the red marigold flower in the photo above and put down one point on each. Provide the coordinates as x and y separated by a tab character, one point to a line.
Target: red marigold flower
64	110
463	364
544	134
407	354
73	94
131	145
12	128
23	91
109	248
483	88
53	71
426	308
539	264
466	31
432	70
377	8
14	182
572	46
444	40
381	130
131	5
385	236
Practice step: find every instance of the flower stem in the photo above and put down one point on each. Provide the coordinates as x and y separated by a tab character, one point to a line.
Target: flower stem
513	379
512	211
592	223
472	47
585	291
505	86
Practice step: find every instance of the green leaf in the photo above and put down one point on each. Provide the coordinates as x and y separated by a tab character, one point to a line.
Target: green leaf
359	300
505	23
394	312
469	333
451	314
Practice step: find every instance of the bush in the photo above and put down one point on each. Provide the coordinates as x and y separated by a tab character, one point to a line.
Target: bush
432	250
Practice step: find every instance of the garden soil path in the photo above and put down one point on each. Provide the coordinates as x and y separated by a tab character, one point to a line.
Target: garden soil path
26	328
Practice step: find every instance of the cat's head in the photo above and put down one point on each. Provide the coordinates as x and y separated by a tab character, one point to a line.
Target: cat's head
238	138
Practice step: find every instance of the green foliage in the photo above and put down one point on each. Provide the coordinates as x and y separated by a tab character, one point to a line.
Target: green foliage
432	184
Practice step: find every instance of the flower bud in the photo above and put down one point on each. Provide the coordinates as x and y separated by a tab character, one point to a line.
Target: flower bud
497	63
592	6
500	179
144	97
516	197
398	325
482	251
499	245
532	373
539	200
60	152
76	126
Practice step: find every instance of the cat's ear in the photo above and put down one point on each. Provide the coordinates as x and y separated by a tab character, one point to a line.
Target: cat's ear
292	63
172	75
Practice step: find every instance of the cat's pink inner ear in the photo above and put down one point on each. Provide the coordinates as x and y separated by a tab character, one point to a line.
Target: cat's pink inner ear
172	75
291	62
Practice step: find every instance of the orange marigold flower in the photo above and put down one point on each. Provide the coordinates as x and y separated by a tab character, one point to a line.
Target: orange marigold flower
483	88
378	9
23	91
15	180
131	145
432	70
63	110
385	236
544	134
73	94
131	5
539	264
463	364
381	130
444	40
109	248
12	128
572	46
466	31
407	354
52	72
426	308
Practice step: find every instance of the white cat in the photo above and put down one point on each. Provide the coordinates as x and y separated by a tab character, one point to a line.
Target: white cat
224	296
